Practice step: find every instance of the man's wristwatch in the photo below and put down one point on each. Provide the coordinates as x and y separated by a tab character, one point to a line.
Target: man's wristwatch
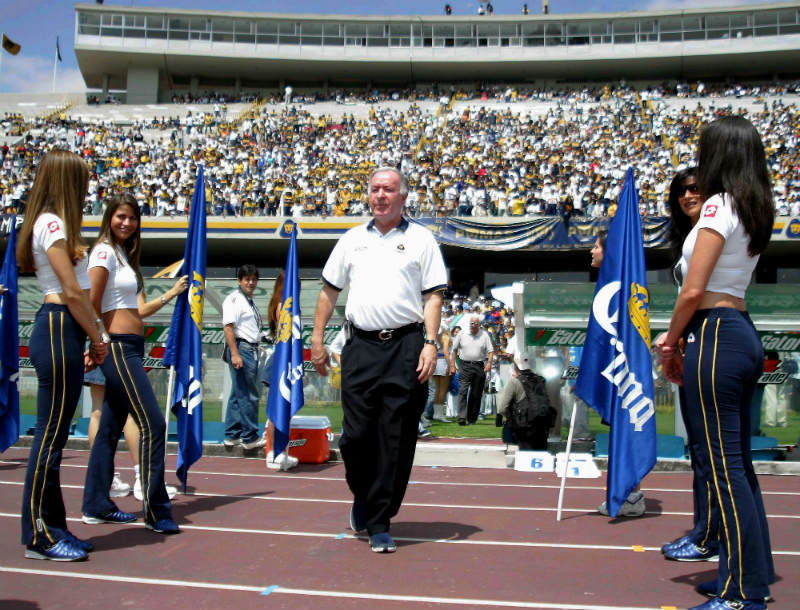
430	342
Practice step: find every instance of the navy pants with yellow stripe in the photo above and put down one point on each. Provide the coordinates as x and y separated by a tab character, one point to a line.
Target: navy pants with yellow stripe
128	391
706	511
724	359
56	350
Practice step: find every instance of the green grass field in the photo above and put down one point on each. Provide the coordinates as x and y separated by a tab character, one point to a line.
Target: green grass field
212	411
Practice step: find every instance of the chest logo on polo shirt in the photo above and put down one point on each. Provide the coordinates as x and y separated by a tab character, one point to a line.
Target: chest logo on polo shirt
401	248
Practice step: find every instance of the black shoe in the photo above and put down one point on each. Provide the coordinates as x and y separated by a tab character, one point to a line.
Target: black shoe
462	422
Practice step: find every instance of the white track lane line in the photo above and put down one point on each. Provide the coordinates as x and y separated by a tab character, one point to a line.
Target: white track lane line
295	475
277	589
345	535
483	507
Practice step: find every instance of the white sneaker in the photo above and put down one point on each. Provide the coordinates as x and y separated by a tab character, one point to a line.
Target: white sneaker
284	461
256	444
119	489
137	490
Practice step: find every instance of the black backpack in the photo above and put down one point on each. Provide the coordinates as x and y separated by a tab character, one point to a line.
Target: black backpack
535	409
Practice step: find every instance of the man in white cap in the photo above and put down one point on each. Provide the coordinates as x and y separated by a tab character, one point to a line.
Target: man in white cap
525	405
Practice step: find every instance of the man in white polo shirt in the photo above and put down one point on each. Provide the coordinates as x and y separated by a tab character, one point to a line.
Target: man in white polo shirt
475	351
395	273
242	326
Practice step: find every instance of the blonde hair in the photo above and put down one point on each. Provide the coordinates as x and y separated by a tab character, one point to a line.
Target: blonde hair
60	187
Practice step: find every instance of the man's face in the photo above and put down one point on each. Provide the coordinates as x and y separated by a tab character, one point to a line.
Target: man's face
248	284
385	198
474	326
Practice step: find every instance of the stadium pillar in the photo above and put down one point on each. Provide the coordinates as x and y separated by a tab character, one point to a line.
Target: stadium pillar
194	85
142	85
238	85
105	86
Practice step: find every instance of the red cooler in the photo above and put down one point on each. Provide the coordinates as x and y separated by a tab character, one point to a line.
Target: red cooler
315	430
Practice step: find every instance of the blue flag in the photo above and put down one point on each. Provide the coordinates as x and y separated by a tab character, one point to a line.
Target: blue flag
286	385
9	344
616	369
184	349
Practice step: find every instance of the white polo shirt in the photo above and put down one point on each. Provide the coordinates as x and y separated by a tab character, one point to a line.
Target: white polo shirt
121	286
246	318
387	275
47	230
735	266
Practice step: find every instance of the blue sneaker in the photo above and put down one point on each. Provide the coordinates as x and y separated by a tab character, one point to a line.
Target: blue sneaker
358	517
692	552
670	546
710	589
115	516
382	543
163	526
60	551
83	545
730	604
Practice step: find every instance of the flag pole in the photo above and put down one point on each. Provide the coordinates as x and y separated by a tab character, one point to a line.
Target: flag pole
55	68
170	393
566	460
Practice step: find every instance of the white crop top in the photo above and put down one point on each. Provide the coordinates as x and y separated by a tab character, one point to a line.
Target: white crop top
735	266
121	287
47	230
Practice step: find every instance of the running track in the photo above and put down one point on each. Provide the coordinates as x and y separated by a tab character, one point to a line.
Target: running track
467	537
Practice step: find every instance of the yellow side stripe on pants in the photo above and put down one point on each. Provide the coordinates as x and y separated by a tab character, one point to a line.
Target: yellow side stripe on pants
36	508
141	419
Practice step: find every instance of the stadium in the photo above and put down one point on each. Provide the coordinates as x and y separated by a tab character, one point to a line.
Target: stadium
515	132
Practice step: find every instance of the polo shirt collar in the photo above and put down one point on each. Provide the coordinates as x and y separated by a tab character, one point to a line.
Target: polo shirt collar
401	227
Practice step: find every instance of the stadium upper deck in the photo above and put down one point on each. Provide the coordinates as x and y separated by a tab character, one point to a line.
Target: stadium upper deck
151	52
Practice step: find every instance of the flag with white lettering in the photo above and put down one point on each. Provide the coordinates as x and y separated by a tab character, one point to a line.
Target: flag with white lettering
9	344
616	369
286	385
184	348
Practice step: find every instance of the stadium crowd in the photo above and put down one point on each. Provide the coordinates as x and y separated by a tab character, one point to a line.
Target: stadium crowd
465	159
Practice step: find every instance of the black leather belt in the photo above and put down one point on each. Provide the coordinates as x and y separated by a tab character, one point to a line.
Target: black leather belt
387	334
250	343
481	362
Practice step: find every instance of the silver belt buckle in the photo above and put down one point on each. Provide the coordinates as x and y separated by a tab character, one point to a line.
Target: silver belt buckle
385	334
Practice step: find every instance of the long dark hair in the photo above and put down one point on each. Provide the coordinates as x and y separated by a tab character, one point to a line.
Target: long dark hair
681	224
275	303
60	186
731	160
132	245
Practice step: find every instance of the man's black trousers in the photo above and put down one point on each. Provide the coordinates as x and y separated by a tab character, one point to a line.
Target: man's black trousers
382	401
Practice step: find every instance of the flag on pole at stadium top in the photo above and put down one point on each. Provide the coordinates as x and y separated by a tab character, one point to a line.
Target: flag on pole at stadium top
9	344
616	369
58	50
10	46
184	348
286	384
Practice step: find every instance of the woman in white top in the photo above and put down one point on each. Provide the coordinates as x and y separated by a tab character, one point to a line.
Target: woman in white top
50	244
722	355
117	292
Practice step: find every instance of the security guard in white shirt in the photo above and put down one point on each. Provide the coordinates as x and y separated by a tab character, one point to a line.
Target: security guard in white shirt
242	326
395	274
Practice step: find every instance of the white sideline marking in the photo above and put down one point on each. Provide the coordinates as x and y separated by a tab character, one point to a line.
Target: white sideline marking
463	602
340	536
272	498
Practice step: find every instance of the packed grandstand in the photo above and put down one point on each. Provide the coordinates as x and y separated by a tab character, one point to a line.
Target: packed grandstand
494	151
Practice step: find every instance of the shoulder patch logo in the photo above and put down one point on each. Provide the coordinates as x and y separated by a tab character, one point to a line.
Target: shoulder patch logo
53	226
711	211
102	255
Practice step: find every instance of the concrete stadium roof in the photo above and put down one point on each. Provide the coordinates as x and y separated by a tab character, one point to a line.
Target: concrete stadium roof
261	50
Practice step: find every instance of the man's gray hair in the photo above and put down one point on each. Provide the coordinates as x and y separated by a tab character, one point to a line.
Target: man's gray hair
386	168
